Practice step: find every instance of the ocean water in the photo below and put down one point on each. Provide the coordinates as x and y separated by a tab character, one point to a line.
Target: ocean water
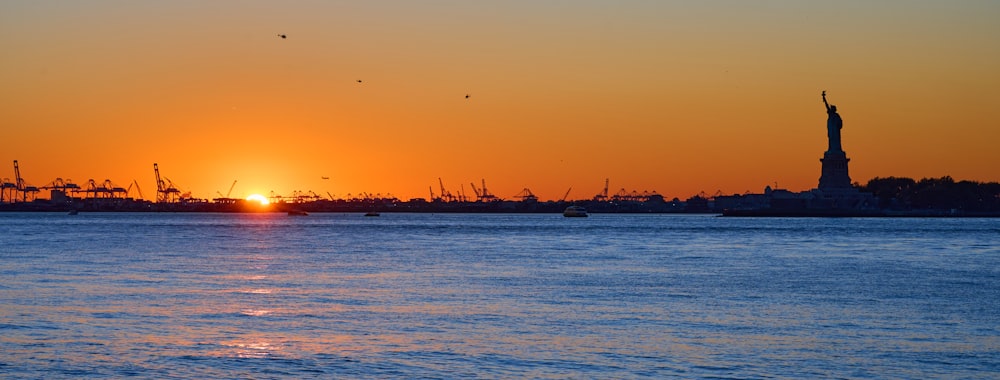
261	296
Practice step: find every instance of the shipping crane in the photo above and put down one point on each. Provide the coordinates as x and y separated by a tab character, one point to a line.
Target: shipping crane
8	189
226	198
445	194
603	196
166	192
61	188
526	195
23	187
137	189
566	195
114	190
97	191
231	189
312	195
479	195
486	195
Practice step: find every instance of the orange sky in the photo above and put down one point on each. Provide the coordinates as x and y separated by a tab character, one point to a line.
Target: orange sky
676	97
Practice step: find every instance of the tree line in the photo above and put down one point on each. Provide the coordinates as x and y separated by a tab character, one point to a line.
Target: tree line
900	193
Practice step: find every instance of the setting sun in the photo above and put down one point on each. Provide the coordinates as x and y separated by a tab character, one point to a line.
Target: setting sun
258	198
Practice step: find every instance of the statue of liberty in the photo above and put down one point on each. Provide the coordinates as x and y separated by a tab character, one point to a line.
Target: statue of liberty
833	125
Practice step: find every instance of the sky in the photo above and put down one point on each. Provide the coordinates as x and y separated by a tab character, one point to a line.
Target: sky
676	97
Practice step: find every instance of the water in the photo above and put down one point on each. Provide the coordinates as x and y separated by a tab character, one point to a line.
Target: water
496	296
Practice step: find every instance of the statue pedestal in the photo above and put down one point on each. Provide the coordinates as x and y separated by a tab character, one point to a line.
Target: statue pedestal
834	171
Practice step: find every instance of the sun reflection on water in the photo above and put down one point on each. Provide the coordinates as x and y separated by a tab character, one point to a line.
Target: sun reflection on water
253	349
257	291
256	312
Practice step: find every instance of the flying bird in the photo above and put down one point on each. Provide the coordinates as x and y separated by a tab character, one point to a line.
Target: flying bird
359	80
466	96
282	36
324	177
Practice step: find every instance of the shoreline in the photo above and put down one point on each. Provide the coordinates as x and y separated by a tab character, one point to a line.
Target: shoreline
484	209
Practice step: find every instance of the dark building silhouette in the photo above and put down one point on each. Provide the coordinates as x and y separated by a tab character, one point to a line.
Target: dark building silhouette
835	192
835	196
834	175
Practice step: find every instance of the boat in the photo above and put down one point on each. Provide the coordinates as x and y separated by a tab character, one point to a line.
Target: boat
73	212
297	213
372	213
575	212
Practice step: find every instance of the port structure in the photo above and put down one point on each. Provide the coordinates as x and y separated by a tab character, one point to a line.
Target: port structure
483	194
225	198
228	193
61	190
19	188
137	189
106	195
622	195
566	195
166	192
445	194
603	195
8	190
526	196
632	196
105	190
299	196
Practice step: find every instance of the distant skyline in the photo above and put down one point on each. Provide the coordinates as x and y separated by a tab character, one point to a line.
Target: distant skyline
388	96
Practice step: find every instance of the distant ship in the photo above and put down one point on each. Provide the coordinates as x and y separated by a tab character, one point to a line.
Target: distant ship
297	213
575	212
372	213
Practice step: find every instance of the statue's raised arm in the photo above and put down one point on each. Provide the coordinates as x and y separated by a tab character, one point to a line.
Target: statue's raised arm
833	125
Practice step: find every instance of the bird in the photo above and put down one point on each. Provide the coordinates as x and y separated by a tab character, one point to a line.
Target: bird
324	177
282	36
359	80
466	96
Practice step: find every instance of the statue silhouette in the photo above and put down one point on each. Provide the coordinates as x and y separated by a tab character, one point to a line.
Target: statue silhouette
833	125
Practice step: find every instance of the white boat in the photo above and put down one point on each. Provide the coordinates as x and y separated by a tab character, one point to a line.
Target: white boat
575	211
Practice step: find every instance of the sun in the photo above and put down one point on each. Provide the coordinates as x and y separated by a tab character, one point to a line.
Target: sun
258	198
